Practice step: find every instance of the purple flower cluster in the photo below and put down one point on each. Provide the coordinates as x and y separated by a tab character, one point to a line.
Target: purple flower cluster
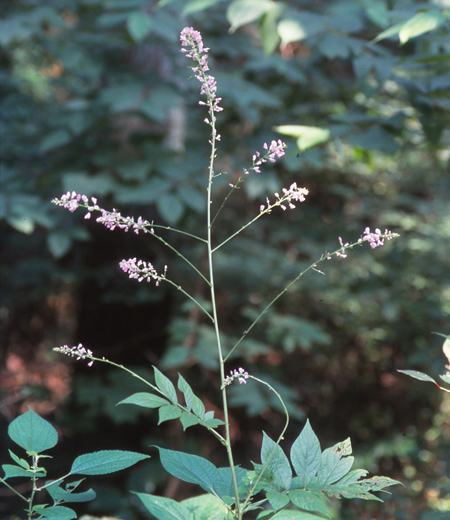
110	219
274	152
140	270
241	375
290	195
79	352
195	50
376	239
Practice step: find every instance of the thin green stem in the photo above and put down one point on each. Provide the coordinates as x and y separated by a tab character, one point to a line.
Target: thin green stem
179	288
235	187
280	438
13	490
313	267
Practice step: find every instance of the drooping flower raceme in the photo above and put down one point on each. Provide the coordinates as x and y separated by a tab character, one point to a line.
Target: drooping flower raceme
376	239
287	199
79	352
241	375
110	219
140	270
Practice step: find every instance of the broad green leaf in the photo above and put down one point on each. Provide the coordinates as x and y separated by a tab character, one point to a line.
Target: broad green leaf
213	423
164	508
307	136
197	470
32	433
418	375
145	399
294	515
420	23
170	208
335	462
309	501
242	12
277	462
206	507
59	243
58	513
55	140
305	454
277	500
139	24
165	385
188	419
168	413
12	471
23	224
290	31
194	6
104	462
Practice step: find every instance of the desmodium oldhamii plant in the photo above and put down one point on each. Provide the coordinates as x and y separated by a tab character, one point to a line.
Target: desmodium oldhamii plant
232	491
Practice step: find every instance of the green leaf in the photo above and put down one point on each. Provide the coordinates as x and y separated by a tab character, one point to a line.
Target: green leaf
60	494
21	462
193	402
145	399
269	35
170	208
12	471
168	413
188	419
194	6
206	507
335	462
58	513
165	385
290	31
59	243
277	500
242	12
305	454
309	501
420	23
418	375
197	470
293	515
164	508
387	33
104	462
54	140
277	462
33	433
307	136
139	24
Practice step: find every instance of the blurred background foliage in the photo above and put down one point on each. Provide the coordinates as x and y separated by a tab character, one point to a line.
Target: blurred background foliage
96	98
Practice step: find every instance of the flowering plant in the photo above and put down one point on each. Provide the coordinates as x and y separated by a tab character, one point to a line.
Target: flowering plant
270	487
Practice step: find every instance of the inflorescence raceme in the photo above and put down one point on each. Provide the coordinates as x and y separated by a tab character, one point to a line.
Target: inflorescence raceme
241	375
79	352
